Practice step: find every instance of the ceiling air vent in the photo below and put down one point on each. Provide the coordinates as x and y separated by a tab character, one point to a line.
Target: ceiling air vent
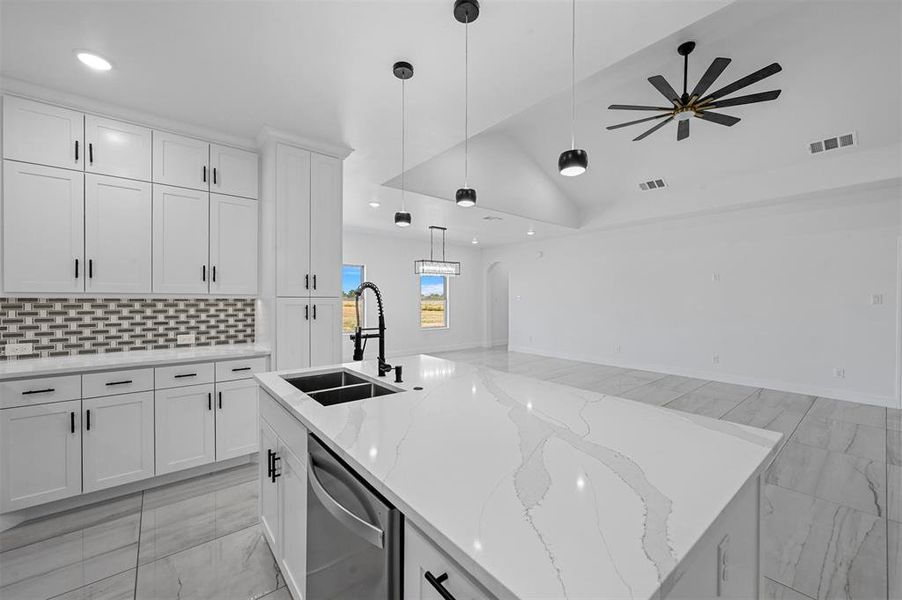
833	143
491	218
652	185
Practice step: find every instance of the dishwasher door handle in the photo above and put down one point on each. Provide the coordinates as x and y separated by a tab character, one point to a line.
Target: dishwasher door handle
355	524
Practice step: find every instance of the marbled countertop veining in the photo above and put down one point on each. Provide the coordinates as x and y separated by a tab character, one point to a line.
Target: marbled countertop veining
539	490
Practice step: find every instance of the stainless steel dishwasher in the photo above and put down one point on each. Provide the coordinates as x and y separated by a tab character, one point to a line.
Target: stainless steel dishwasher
353	533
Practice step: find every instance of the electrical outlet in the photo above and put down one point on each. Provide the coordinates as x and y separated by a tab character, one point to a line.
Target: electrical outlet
17	349
839	373
186	339
715	277
617	348
723	572
876	299
715	359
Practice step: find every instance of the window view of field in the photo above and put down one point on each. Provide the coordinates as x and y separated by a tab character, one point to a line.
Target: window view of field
433	301
351	278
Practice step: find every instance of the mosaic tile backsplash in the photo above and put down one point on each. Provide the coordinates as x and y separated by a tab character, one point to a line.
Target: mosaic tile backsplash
69	326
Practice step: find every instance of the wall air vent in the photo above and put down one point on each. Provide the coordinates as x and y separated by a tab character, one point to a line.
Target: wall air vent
654	184
838	142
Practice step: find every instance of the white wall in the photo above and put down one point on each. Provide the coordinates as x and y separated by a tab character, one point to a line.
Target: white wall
389	264
792	302
497	303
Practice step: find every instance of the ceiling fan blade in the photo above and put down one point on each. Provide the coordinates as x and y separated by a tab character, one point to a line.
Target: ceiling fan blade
683	130
635	107
637	121
710	76
662	86
654	129
750	99
718	118
745	81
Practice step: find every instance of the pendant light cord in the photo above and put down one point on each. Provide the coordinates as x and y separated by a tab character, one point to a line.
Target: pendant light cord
467	101
573	76
403	135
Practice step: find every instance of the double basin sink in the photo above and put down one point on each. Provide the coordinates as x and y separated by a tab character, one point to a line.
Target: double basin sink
338	387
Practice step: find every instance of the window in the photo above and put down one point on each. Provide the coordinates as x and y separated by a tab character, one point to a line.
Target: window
433	301
351	278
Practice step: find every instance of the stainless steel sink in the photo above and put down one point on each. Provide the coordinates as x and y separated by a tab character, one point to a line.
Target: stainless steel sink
337	387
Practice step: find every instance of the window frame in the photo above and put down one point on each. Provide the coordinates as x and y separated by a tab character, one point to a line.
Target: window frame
447	288
362	301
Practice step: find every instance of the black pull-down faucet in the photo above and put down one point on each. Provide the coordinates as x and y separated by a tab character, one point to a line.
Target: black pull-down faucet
359	337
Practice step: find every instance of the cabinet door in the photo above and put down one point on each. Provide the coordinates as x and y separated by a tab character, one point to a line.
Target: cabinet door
292	471
181	161
117	148
184	427
117	440
180	240
236	418
233	245
325	226
292	221
43	229
41	454
293	341
117	235
325	331
43	134
234	171
269	490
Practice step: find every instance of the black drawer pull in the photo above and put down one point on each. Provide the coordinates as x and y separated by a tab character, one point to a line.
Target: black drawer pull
437	584
44	391
88	418
72	422
123	382
235	370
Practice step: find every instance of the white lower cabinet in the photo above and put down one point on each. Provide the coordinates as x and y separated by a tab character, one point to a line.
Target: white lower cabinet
236	418
424	562
118	439
185	428
269	492
40	454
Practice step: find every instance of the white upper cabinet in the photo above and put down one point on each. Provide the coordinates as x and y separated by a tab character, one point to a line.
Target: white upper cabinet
293	341
233	245
117	235
43	229
292	221
325	331
180	240
325	234
181	161
234	171
117	440
41	133
117	148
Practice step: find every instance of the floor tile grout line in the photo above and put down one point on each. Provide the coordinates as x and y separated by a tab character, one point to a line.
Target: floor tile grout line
789	587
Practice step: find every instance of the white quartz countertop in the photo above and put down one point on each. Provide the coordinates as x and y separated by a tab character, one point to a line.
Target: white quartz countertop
539	490
42	367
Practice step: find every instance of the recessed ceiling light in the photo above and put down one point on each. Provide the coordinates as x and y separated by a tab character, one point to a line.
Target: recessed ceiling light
375	204
98	63
475	241
530	232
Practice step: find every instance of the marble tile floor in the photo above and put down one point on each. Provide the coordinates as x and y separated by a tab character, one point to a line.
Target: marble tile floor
197	539
832	513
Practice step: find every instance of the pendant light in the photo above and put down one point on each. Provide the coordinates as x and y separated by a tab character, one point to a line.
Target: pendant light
431	266
466	11
403	71
574	161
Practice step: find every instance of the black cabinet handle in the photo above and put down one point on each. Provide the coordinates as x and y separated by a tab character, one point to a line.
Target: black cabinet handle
90	268
91	154
203	273
307	312
72	419
307	281
220	400
76	150
76	268
214	174
205	174
209	401
437	584
88	418
123	382
314	307
185	375
214	273
44	391
275	474
241	369
314	282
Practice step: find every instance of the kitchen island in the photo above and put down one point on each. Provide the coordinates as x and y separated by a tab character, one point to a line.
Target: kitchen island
537	490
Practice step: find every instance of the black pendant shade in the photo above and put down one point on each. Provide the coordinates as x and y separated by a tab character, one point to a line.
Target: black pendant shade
466	197
573	162
402	218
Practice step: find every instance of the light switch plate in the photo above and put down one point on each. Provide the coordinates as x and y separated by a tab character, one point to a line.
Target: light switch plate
186	339
723	549
17	349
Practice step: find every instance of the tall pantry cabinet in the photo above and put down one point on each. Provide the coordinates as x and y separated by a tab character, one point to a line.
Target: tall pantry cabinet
301	295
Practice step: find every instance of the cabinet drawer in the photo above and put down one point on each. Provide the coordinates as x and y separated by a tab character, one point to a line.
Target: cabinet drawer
117	382
26	392
228	370
179	375
422	557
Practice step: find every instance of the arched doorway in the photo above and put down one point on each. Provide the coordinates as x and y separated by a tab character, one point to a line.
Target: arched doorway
497	304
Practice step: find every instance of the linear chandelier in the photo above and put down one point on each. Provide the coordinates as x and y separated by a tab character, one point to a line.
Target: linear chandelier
431	266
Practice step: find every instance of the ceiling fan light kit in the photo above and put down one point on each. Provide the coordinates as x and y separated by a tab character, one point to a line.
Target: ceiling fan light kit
696	103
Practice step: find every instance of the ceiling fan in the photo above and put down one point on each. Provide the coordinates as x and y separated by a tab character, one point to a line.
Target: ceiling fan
696	103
